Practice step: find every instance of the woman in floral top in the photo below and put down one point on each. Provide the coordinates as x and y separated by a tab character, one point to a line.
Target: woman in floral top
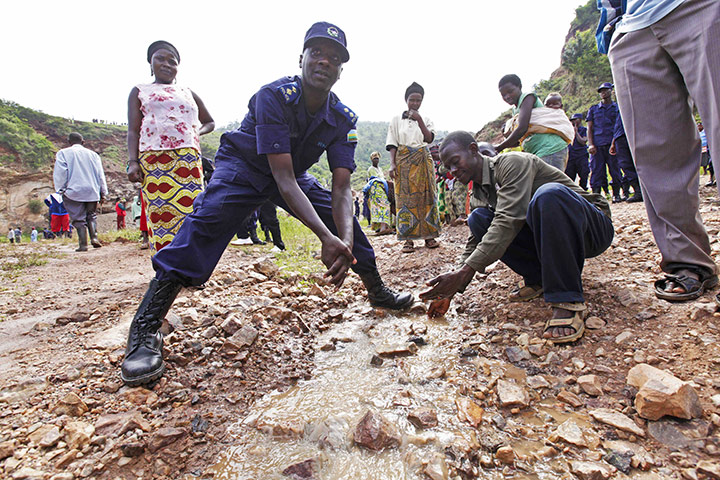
165	122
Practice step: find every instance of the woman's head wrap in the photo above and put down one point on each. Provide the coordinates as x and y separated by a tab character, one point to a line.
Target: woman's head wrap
155	46
414	88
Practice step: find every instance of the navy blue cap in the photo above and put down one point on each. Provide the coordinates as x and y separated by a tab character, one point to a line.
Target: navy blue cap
577	115
330	32
606	85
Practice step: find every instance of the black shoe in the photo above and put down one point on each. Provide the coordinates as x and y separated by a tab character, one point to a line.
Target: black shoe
635	198
255	239
143	361
617	199
381	296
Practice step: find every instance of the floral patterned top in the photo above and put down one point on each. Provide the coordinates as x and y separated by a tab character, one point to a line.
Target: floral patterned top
170	118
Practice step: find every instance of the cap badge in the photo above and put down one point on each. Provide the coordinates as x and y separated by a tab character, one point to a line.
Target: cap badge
333	32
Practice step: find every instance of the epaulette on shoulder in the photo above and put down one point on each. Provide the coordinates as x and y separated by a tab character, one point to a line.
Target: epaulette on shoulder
349	114
290	91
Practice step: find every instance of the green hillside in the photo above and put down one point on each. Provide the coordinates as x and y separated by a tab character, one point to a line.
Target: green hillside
582	69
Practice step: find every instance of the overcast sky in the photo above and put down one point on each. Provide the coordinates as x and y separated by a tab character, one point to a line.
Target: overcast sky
80	59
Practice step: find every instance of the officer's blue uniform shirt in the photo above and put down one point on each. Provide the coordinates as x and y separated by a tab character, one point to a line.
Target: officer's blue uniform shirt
603	118
278	122
575	150
619	129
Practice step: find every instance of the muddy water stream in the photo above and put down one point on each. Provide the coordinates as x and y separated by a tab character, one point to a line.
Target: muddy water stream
316	418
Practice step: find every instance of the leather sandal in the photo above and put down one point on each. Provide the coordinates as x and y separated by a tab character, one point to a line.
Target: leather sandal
409	247
431	243
693	288
525	293
576	322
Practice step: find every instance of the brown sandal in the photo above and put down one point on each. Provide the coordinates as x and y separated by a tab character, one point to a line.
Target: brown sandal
576	322
431	243
525	293
409	247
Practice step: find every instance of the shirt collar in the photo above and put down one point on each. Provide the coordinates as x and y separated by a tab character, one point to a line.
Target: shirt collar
324	113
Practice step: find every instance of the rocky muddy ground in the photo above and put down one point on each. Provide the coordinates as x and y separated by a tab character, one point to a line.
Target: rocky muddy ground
273	376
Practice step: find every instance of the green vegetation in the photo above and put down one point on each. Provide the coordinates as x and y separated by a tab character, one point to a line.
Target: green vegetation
35	205
21	139
125	235
577	79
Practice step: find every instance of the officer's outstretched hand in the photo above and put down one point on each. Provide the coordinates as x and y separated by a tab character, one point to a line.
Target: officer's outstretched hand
448	284
337	257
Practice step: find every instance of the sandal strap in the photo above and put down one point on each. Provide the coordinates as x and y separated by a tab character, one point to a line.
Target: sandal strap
561	322
573	307
688	283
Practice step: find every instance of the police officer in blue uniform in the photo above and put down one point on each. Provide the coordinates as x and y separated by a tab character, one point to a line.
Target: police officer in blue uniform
600	125
290	123
578	165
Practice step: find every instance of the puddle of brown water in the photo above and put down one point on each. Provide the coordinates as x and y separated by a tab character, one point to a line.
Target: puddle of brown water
316	418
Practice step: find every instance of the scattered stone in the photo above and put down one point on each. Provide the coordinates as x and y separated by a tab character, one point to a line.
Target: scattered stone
590	470
50	438
594	323
537	382
571	433
469	411
570	398
66	459
132	449
121	423
245	336
376	360
375	432
537	350
266	267
437	469
660	393
27	473
140	396
164	437
302	471
617	420
418	328
516	354
624	337
640	458
620	460
397	350
510	394
505	455
709	468
423	417
419	341
199	424
7	449
78	434
70	405
590	384
331	432
499	421
231	324
668	434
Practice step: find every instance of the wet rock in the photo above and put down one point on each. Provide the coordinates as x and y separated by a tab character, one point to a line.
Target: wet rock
198	424
469	411
418	328
620	460
660	393
709	468
331	432
505	455
640	458
468	352
570	398
499	421
590	470
70	405
164	437
78	434
375	432
516	354
120	423
594	323
302	471
397	350
245	336
436	468
511	394
27	473
293	428
423	417
590	384
376	360
7	449
571	433
679	435
617	420
537	382
419	341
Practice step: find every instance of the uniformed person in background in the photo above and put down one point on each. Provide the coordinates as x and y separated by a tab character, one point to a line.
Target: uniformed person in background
290	123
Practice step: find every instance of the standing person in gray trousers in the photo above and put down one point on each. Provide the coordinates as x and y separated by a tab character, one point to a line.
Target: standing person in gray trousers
663	54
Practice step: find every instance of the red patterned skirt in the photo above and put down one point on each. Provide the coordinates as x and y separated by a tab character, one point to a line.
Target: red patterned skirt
171	181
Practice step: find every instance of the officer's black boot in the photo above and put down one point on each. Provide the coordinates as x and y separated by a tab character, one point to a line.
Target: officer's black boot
143	361
82	239
625	192
254	237
381	296
266	231
637	196
277	237
92	229
596	190
616	194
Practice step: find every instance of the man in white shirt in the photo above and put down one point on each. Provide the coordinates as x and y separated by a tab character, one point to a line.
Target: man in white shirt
80	179
664	54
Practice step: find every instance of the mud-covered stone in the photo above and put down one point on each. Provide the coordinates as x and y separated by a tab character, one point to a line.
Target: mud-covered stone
423	417
375	432
511	394
617	420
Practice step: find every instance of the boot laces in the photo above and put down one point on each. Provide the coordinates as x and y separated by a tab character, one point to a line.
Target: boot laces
150	319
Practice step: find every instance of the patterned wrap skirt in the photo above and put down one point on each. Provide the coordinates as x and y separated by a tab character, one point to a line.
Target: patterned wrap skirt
379	205
171	181
415	194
